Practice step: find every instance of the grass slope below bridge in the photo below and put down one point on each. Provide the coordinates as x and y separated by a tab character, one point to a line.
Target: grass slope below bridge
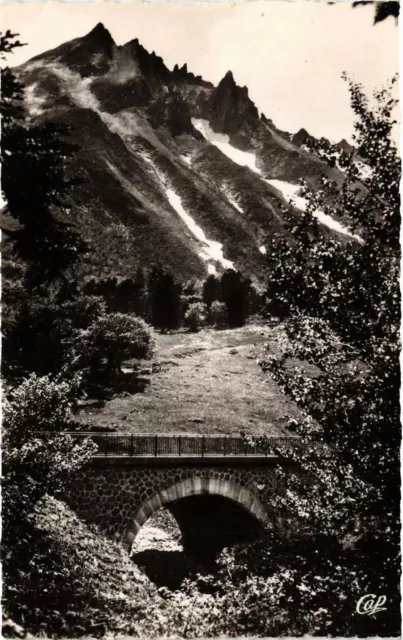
208	382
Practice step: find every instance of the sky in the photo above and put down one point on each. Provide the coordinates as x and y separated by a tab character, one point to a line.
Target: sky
290	55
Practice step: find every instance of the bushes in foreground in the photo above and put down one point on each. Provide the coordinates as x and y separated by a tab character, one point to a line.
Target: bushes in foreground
62	577
74	582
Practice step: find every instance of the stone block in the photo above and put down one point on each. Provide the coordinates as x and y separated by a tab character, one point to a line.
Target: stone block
188	487
155	503
179	490
245	498
141	517
163	495
172	494
205	485
197	485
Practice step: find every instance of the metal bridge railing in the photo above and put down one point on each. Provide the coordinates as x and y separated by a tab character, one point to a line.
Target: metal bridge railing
184	445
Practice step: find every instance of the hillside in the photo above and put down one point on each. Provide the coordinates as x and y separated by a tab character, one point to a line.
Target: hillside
202	383
172	169
76	581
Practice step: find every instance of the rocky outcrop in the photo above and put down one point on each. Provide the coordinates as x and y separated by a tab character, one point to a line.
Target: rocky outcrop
181	75
172	112
302	137
150	65
230	108
90	55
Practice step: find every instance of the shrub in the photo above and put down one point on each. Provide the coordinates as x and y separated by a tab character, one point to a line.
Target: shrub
114	338
37	456
65	579
218	314
196	316
82	311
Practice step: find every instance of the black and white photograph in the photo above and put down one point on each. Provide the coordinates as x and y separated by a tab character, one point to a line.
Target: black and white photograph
201	311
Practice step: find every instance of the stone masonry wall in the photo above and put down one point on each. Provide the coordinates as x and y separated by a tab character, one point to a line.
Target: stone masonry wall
111	495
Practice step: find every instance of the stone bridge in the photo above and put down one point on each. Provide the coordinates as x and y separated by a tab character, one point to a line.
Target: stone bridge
220	489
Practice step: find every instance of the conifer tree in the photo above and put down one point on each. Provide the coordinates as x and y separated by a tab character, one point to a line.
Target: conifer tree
163	300
210	290
35	184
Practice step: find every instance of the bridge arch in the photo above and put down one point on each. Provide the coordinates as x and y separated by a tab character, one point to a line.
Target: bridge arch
198	486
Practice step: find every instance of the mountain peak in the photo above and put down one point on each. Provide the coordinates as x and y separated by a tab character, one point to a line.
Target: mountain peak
100	33
228	78
230	107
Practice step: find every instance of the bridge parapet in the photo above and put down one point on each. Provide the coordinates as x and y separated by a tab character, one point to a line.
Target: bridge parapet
187	445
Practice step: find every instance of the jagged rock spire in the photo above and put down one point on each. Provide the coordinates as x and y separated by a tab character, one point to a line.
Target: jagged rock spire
100	34
230	106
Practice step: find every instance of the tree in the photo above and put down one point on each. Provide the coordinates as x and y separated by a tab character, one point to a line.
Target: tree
51	321
11	109
234	293
196	316
114	338
35	184
210	290
164	300
139	303
343	305
218	314
38	456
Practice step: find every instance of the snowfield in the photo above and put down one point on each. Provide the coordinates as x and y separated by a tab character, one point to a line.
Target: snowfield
247	159
212	250
231	199
243	158
290	191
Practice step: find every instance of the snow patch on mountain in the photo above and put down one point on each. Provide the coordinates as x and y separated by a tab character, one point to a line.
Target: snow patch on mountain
232	200
221	141
187	159
247	159
290	191
212	250
263	249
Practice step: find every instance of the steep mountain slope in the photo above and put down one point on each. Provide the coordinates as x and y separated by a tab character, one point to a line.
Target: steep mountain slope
175	171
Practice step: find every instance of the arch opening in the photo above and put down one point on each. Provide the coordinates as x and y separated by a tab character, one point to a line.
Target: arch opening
211	514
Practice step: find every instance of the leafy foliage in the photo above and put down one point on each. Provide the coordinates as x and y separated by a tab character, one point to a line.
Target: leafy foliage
114	337
218	314
234	290
37	455
196	316
210	290
340	304
63	577
51	319
12	90
124	296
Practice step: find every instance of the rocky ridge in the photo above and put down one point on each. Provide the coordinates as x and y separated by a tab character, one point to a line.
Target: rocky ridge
155	188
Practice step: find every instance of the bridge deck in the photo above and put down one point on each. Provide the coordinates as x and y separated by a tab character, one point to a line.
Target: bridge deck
187	445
